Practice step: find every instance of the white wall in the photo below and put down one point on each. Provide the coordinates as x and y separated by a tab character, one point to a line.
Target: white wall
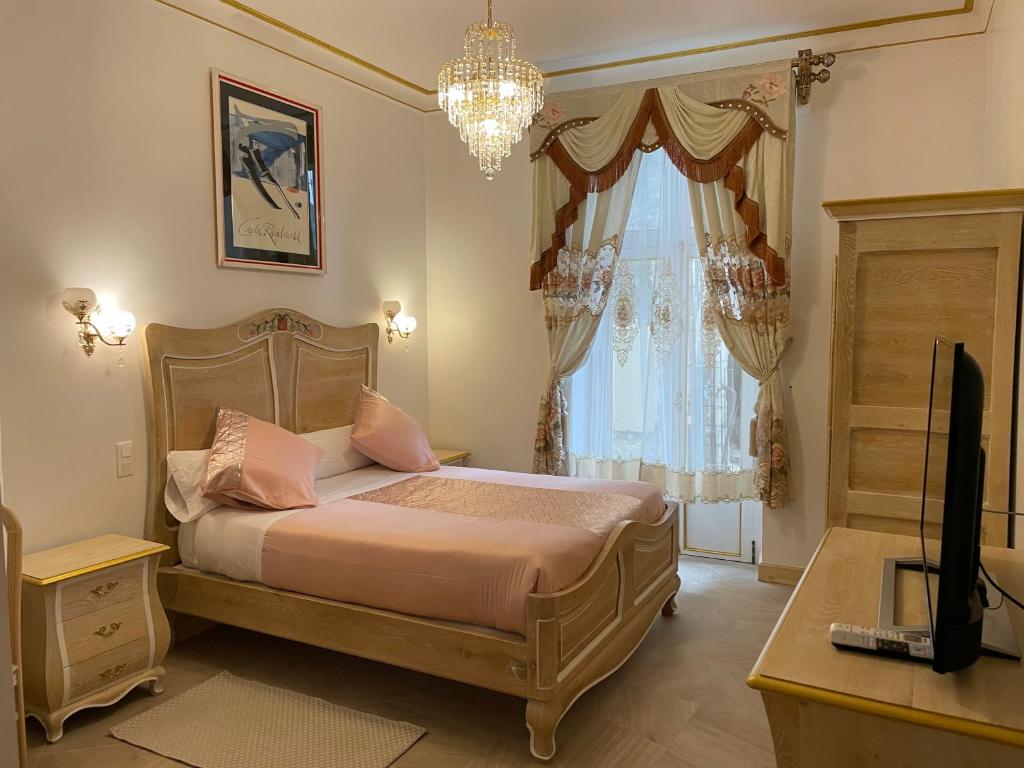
108	183
902	120
488	347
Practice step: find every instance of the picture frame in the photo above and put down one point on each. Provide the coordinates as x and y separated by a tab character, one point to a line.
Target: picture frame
267	175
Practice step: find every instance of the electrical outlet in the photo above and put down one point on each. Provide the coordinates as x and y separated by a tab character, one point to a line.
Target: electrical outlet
125	459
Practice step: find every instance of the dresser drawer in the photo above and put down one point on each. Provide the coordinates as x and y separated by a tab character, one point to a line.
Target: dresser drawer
90	593
107	668
94	633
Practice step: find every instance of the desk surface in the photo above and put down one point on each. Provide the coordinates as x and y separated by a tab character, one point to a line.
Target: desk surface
842	584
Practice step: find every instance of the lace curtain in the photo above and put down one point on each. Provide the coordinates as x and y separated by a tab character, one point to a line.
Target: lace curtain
736	152
749	302
660	399
575	295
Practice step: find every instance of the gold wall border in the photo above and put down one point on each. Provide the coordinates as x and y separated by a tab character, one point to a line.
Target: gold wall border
350	57
966	8
169	4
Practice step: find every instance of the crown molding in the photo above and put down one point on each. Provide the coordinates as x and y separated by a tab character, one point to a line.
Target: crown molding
966	8
258	27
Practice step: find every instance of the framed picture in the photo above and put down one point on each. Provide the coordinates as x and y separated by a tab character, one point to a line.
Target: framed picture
267	168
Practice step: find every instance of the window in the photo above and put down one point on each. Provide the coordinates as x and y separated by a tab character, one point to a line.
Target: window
660	398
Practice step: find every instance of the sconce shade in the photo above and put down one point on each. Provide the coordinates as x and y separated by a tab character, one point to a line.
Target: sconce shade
395	323
110	326
80	302
116	323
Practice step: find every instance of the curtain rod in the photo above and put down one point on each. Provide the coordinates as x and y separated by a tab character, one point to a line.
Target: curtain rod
804	63
806	76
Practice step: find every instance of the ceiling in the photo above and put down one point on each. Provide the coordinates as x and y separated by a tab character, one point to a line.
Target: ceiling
397	46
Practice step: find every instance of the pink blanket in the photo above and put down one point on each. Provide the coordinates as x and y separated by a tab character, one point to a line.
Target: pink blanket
462	545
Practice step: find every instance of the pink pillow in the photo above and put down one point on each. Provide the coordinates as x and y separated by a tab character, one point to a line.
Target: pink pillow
390	436
258	465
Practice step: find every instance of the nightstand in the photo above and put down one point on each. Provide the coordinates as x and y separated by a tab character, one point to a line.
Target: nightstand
92	626
451	458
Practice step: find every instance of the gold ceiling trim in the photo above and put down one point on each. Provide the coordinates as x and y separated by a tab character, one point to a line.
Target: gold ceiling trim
350	57
966	8
192	14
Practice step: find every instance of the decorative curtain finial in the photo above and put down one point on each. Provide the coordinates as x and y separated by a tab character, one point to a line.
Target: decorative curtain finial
805	74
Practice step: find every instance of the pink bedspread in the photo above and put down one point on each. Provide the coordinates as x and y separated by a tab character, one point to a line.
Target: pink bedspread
456	544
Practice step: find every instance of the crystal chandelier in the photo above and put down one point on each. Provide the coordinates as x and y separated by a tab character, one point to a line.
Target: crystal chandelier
489	94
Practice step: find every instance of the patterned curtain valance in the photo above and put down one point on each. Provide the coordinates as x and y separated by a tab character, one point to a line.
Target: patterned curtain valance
730	134
576	155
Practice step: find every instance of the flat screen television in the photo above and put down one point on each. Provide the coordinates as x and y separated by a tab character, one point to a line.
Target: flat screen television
954	475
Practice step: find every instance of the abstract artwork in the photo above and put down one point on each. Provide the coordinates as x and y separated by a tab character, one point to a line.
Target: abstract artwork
267	155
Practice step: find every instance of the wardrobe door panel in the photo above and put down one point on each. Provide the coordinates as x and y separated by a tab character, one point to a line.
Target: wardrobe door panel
909	270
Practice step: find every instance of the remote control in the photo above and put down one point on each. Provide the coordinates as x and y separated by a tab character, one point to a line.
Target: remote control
905	645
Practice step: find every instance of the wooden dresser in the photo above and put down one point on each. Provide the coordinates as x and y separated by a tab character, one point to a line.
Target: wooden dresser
910	269
93	627
845	709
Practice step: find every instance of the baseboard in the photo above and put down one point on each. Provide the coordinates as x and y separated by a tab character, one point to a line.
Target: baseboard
779	574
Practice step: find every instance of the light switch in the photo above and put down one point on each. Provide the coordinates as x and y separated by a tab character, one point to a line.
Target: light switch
125	459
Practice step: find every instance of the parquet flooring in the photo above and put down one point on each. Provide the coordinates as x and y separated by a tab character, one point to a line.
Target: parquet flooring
680	701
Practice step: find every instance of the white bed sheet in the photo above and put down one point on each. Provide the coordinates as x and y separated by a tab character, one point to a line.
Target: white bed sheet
230	541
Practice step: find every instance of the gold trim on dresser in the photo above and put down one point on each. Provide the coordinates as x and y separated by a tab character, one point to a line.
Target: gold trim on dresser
816	696
100	590
94	632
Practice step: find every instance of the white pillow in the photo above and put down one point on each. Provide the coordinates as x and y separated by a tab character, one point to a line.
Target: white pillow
339	454
183	495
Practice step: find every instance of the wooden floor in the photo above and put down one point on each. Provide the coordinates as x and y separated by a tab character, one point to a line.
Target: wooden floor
681	701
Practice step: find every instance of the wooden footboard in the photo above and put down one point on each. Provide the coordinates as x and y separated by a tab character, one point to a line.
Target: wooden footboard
577	637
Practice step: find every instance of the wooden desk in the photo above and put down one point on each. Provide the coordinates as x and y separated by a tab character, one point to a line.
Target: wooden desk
844	709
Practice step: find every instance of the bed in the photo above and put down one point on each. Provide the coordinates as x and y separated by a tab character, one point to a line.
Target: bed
283	366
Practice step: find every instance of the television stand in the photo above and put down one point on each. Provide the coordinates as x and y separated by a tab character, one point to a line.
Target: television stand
998	637
832	709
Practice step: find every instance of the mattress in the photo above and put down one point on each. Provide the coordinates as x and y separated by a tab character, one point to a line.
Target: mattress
461	544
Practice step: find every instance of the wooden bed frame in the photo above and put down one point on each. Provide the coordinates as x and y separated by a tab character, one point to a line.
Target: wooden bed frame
283	366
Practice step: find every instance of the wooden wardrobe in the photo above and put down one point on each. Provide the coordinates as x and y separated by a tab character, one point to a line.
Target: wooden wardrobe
910	269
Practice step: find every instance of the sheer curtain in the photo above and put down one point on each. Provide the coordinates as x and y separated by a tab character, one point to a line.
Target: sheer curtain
660	398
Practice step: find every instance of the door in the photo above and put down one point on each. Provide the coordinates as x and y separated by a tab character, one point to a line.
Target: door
727	530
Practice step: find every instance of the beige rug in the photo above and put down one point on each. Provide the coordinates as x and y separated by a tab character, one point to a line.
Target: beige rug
227	722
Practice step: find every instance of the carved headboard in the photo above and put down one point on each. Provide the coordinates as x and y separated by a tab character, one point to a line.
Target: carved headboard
278	365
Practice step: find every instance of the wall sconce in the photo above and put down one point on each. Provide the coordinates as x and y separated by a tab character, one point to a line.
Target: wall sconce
397	324
111	326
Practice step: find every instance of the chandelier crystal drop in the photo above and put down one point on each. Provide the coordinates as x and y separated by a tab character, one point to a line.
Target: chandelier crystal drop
489	94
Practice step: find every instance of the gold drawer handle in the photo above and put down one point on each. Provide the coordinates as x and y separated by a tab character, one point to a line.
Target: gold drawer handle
106	674
105	589
109	631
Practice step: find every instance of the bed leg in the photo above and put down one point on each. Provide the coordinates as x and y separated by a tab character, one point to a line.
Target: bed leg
542	718
670	606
